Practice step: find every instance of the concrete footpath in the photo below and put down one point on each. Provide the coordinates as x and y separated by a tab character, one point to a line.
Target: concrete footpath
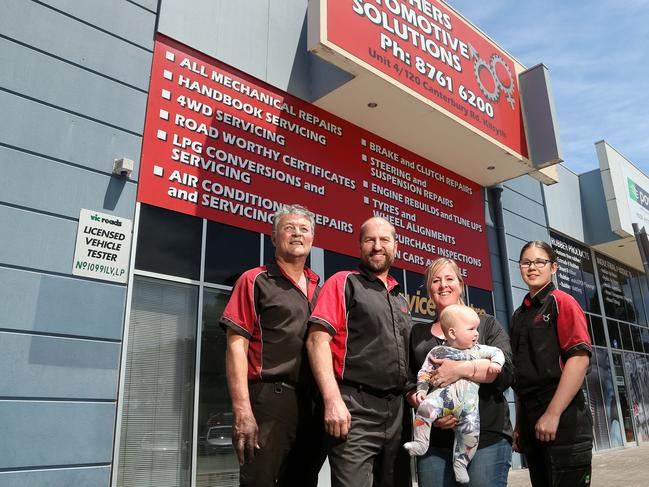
626	467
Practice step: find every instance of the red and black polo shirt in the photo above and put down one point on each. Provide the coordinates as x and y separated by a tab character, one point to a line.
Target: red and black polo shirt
370	324
547	330
269	309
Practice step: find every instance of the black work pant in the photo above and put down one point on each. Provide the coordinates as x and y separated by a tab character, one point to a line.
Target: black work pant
566	461
369	454
290	438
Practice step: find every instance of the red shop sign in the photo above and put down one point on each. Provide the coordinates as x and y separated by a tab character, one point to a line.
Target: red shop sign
222	145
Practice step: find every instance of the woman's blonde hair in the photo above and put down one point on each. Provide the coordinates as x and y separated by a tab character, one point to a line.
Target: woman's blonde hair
436	266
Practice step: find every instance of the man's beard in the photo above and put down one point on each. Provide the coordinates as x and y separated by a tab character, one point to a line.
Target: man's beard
378	267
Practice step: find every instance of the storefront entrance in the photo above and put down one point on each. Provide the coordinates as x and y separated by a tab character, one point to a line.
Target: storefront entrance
174	426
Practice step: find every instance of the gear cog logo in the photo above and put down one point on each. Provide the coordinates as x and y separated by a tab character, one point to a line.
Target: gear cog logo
495	66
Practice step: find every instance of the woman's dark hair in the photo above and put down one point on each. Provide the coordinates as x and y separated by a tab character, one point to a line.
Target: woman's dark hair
546	247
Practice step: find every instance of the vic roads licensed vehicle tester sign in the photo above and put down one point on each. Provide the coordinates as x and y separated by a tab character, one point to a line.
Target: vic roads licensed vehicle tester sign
103	245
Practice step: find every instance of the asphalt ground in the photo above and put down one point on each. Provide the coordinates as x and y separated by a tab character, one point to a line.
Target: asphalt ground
623	467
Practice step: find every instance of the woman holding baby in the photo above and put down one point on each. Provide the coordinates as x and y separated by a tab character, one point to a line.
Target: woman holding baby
490	465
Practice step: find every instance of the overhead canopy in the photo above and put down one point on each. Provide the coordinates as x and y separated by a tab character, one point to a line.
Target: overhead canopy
626	190
426	79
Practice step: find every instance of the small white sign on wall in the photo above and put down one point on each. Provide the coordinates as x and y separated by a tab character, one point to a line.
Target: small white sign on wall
103	246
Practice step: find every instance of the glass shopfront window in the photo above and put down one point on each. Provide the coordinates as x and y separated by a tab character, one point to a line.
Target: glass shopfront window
625	335
637	373
608	394
598	335
155	433
645	339
164	419
421	307
335	262
228	252
576	275
638	302
644	297
636	336
614	334
169	243
176	416
597	409
620	293
616	279
620	382
481	300
217	463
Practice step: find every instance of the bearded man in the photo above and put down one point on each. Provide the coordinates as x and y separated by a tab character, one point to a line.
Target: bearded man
358	347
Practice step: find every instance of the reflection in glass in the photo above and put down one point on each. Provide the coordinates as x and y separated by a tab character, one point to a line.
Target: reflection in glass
597	409
608	394
269	249
637	369
416	282
621	392
481	299
597	326
644	288
614	334
616	290
335	262
591	289
229	251
169	242
417	295
625	335
216	462
636	335
576	275
637	298
629	308
645	338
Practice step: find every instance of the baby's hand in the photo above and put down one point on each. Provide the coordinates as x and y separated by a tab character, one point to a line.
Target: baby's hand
495	368
420	396
425	377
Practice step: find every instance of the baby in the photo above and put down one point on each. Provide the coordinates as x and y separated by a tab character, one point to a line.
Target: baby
460	326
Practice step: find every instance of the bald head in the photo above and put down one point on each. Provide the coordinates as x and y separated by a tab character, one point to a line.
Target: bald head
455	314
378	246
377	220
460	326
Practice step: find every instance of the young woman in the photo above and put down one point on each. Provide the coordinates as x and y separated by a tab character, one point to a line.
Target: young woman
490	466
551	348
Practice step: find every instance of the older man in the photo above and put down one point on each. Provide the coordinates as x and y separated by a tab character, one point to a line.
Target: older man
357	345
275	434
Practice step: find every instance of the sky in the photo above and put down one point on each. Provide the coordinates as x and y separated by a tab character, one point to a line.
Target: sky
597	53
